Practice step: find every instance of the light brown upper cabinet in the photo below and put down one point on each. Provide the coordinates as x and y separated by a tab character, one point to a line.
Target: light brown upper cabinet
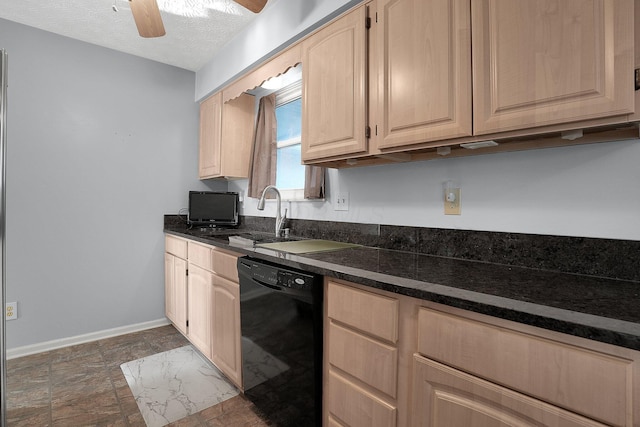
419	74
539	63
422	59
334	93
226	132
447	72
210	136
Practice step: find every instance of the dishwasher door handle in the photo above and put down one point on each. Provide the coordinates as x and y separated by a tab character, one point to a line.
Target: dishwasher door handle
267	285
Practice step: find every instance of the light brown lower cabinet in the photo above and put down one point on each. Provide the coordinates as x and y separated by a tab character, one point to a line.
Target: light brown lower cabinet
392	360
226	344
199	296
444	396
493	372
175	290
211	300
175	282
361	358
356	404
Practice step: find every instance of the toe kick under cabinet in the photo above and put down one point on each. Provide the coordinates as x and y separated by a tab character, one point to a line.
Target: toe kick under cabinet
201	285
392	360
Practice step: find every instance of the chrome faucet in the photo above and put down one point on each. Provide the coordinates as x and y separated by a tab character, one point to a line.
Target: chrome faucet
279	219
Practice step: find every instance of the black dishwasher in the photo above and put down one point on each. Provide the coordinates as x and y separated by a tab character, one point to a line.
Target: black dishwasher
281	324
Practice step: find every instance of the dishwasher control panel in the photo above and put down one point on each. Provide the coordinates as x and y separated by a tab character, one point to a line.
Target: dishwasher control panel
275	275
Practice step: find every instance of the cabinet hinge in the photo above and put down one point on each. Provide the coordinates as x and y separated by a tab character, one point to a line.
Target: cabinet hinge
367	23
187	272
187	323
637	78
376	130
367	132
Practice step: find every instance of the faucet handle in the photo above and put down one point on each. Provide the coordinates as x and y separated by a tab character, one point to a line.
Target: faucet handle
280	223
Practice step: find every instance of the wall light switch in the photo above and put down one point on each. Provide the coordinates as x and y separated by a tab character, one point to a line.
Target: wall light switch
341	202
452	201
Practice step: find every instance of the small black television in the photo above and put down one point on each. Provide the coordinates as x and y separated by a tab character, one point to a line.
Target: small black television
213	209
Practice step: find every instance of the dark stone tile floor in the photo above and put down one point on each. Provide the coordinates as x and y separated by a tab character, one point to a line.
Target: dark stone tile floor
83	385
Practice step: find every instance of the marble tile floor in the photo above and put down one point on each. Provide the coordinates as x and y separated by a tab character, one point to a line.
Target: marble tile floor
83	385
171	385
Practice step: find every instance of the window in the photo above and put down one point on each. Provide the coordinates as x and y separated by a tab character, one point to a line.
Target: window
289	170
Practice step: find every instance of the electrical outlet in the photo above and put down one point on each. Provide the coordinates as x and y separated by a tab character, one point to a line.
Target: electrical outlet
341	202
11	311
452	201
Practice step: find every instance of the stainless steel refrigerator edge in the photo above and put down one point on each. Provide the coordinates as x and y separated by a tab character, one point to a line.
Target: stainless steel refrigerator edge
3	178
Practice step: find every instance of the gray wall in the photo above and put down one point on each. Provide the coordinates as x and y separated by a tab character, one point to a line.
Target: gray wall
100	145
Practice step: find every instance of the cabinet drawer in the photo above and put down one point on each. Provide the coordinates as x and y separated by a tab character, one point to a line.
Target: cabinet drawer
200	255
374	314
446	396
587	382
355	406
366	359
175	246
225	264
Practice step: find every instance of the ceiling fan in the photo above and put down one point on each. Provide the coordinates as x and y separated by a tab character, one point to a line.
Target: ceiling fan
149	22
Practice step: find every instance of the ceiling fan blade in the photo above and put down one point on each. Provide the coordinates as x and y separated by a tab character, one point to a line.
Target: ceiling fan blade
147	17
254	6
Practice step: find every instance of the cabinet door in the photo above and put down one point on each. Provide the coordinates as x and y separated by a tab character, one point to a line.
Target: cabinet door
210	136
445	397
424	71
199	308
238	125
175	291
226	329
169	287
333	94
542	62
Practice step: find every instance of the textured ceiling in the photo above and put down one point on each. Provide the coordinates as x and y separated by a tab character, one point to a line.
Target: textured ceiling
190	42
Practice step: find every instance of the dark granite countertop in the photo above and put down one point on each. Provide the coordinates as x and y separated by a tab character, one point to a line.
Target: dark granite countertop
602	309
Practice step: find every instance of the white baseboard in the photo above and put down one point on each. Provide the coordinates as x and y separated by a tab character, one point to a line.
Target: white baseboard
27	350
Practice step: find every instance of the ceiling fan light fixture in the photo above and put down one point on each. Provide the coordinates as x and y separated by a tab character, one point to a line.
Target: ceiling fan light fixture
146	13
199	8
186	8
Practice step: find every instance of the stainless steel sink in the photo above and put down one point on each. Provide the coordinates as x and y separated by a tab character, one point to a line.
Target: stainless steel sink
256	238
306	246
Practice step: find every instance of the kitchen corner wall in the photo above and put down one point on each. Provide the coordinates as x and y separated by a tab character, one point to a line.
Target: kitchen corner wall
101	145
589	191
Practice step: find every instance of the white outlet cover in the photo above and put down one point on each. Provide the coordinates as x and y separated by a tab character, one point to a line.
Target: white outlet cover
11	311
341	202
